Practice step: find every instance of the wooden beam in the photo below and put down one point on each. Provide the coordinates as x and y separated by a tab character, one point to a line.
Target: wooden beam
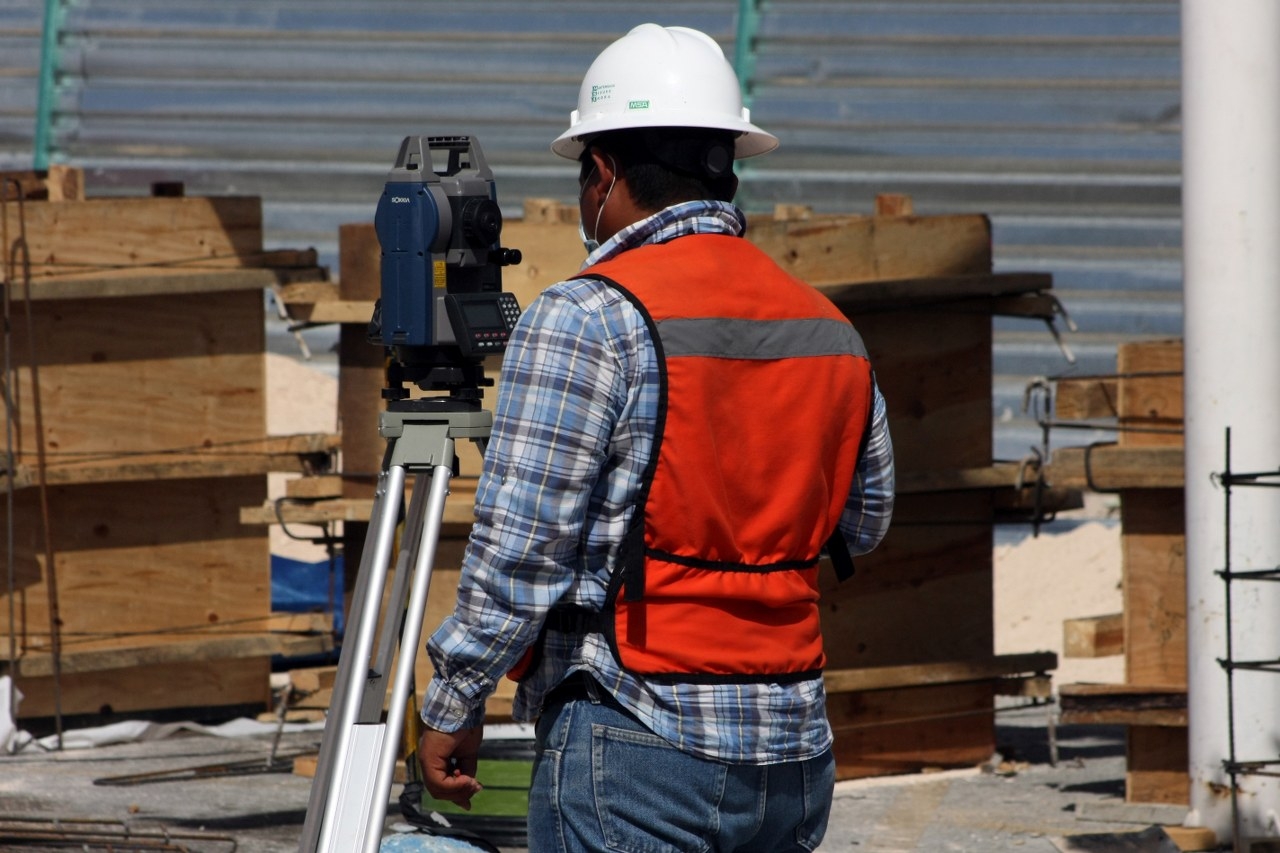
294	453
1085	398
162	650
69	239
1110	467
1010	294
134	282
1093	636
1123	704
826	249
459	510
1002	475
57	183
861	297
1149	400
314	488
948	672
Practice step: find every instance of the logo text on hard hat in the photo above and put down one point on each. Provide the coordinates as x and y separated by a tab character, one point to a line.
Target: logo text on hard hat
637	105
601	92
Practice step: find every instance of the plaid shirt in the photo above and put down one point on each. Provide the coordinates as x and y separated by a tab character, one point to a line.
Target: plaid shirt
573	429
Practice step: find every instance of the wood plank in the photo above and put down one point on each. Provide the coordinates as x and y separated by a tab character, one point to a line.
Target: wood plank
64	239
299	453
314	487
198	686
847	249
131	282
1156	762
1123	704
140	558
142	373
1093	636
1110	467
1192	839
950	292
1024	503
1153	549
889	732
355	312
361	366
1085	398
923	596
162	650
946	672
1122	692
936	379
57	183
459	512
1025	686
1150	393
1000	475
894	204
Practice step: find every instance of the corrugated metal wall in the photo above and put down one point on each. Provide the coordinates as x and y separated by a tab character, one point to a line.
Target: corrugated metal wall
1059	119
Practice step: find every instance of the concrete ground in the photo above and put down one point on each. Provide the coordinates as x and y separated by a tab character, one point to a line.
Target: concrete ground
1020	801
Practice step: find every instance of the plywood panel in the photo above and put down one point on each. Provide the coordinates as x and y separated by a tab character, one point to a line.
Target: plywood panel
143	374
1153	543
884	732
924	595
100	236
935	372
198	686
1149	399
846	249
141	557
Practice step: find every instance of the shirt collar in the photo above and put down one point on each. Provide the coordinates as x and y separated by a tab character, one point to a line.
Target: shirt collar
679	220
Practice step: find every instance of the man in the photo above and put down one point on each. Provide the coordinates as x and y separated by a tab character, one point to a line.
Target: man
680	431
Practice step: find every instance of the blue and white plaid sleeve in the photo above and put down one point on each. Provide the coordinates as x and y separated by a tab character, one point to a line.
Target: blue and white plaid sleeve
869	509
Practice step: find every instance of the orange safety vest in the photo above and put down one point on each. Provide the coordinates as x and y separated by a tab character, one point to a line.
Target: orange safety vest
766	393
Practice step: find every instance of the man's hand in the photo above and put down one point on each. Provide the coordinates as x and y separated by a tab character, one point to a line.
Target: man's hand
448	762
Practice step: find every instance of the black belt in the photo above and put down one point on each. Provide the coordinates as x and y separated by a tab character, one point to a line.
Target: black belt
578	686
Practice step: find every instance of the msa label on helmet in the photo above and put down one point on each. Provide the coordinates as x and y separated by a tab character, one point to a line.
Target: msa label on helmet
601	92
637	105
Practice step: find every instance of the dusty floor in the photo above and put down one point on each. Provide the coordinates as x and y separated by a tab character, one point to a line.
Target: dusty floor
1021	803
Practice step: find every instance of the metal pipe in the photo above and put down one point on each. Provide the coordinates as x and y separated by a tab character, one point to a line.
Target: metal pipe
1231	261
50	48
744	46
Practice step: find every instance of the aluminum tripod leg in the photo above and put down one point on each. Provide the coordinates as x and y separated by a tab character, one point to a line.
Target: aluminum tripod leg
353	779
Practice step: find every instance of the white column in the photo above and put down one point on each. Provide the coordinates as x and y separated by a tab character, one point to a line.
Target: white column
1231	252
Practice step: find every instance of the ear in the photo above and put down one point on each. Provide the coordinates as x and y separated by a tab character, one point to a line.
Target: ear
603	173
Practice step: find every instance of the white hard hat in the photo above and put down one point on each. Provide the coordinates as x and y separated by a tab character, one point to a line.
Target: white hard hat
662	77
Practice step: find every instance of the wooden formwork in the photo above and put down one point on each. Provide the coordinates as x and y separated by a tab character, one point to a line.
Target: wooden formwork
1145	468
138	431
912	672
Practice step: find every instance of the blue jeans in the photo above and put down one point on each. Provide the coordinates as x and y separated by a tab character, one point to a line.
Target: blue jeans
603	782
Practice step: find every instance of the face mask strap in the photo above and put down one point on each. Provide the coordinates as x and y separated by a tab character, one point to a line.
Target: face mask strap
613	166
590	242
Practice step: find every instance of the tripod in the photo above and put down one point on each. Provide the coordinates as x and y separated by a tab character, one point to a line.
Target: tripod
348	802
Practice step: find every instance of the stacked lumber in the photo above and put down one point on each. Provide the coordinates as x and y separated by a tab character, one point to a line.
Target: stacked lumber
912	674
138	430
1145	467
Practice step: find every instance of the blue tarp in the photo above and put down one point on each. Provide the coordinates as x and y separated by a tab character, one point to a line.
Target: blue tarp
301	587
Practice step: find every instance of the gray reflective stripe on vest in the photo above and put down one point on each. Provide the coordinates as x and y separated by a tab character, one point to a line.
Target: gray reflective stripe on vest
721	337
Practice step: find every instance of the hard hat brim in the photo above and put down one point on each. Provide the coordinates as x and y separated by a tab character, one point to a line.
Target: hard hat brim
751	140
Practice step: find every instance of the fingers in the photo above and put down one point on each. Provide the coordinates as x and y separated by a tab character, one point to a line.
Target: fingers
448	762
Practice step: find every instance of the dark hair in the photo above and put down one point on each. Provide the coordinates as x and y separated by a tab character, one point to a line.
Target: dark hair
667	165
